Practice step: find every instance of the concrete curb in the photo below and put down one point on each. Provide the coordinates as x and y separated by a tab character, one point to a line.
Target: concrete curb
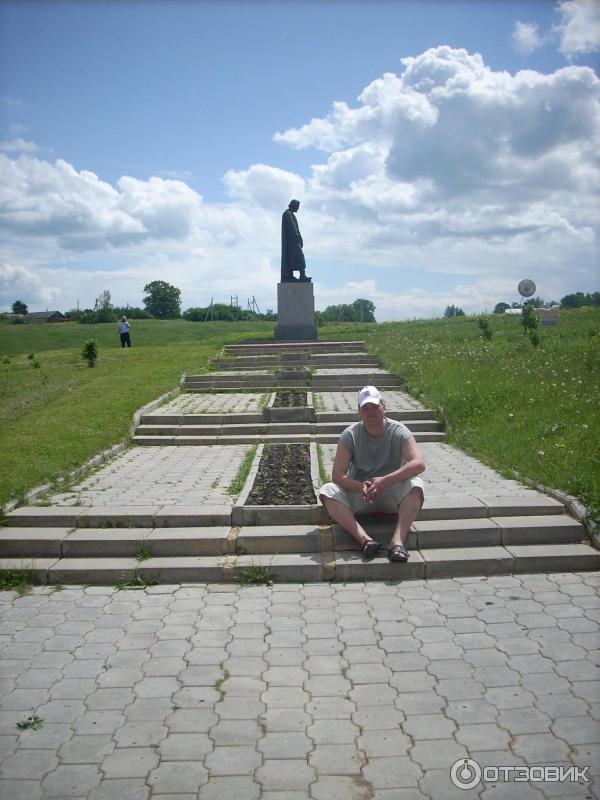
573	505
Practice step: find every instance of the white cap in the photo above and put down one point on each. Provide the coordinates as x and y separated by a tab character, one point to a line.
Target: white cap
369	395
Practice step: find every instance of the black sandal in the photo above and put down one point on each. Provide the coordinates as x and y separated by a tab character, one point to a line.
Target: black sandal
398	553
370	549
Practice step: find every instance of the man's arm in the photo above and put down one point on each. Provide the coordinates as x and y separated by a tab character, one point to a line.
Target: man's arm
339	473
414	465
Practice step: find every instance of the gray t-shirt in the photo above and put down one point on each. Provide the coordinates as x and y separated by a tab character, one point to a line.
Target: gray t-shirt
374	456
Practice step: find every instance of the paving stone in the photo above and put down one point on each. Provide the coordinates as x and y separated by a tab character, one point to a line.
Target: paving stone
485	736
437	754
131	788
336	759
471	711
415	702
577	730
71	781
234	760
85	749
337	787
285	720
383	743
170	778
225	788
27	764
524	720
235	733
429	726
130	762
285	745
20	789
285	775
140	734
540	748
392	773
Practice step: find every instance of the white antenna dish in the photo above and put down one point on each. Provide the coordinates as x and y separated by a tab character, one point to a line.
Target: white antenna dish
526	287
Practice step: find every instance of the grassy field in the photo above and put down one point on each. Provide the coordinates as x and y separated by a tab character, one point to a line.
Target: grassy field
56	415
512	405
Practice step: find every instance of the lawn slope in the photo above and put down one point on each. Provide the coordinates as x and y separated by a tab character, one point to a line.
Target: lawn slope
56	412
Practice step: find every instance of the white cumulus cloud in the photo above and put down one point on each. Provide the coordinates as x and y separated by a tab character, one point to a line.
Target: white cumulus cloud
446	168
579	27
526	38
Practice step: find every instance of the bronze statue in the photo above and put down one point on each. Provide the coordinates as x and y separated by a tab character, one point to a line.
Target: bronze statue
292	257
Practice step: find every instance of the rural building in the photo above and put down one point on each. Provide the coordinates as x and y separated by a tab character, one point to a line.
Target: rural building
47	316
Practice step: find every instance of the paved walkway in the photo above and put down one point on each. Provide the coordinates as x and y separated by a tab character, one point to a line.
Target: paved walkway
289	692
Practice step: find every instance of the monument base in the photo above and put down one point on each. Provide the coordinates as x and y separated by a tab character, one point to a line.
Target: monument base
295	312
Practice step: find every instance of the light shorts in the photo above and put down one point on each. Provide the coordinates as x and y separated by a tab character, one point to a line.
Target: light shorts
388	501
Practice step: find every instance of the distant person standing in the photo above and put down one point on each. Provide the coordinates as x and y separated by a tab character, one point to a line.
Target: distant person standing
124	331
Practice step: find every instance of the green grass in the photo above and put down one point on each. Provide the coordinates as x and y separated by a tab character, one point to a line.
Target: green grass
514	406
55	417
21	580
237	484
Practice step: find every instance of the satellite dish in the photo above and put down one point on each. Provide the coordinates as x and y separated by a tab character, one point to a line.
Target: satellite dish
526	288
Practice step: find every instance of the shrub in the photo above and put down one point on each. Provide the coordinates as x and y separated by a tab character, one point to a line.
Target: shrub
486	330
89	352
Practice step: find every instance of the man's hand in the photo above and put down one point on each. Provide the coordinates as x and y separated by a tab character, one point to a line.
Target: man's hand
373	488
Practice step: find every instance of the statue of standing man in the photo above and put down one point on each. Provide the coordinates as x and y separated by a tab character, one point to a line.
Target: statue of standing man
292	257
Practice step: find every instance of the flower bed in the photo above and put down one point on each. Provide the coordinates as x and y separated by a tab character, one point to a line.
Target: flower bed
290	399
283	477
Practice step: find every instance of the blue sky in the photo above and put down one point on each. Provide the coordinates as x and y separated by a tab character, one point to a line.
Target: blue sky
441	150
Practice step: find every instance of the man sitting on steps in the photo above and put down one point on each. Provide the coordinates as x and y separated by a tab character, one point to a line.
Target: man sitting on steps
376	465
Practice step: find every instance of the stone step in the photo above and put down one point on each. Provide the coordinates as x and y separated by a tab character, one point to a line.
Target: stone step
265	429
65	542
317	361
437	507
312	566
295	347
185	440
343	418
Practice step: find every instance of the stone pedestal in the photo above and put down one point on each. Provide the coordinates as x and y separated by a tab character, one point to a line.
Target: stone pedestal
295	312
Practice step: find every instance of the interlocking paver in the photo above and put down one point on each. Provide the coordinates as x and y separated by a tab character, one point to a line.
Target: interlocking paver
303	716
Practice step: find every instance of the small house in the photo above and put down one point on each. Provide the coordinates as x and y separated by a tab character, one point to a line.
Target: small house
46	316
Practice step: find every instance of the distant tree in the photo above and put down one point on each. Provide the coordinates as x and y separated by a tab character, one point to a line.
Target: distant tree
453	311
365	310
19	307
579	299
132	312
500	308
103	308
162	300
536	302
360	310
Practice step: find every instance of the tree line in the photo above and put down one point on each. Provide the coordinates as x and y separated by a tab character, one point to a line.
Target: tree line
162	300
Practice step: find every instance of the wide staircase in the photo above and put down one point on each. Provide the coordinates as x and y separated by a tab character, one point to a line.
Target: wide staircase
473	522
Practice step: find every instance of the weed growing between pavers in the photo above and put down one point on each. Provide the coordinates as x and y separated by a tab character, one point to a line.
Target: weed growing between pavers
290	399
20	580
255	574
283	477
33	723
143	552
135	581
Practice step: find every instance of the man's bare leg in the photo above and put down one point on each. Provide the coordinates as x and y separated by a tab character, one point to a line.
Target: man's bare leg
407	513
346	519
